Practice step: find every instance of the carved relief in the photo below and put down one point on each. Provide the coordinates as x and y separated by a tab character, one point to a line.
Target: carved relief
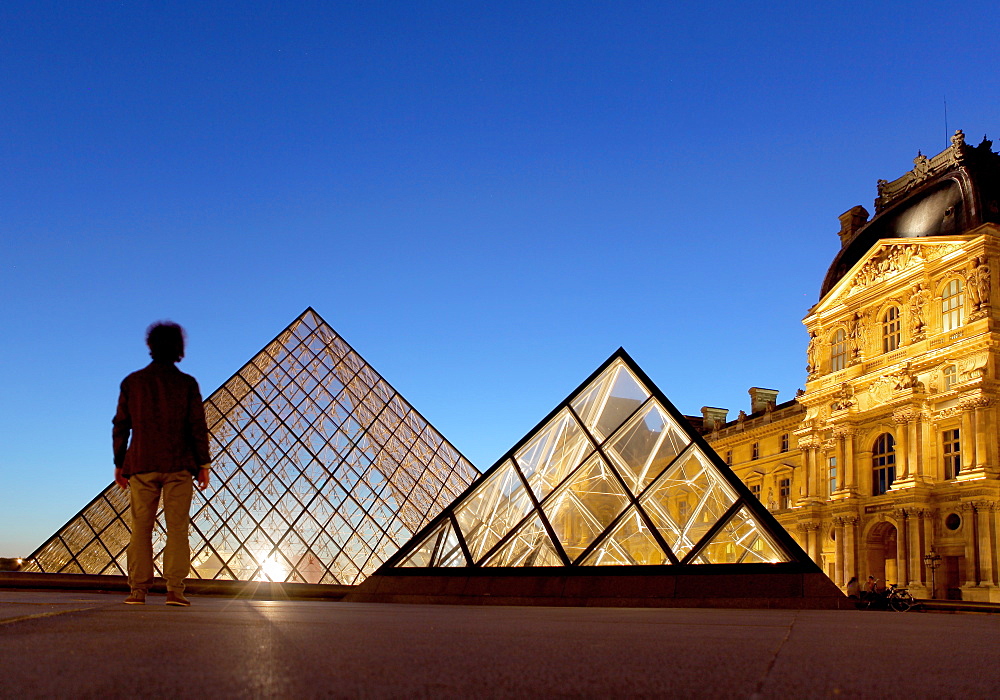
813	355
886	262
958	145
843	399
947	413
857	332
974	402
919	296
881	389
978	285
808	442
906	378
974	365
905	415
923	168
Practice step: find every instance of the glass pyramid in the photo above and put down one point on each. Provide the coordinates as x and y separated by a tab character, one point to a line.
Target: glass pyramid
614	476
320	471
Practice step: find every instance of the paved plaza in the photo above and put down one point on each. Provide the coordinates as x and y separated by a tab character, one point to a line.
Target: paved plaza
71	644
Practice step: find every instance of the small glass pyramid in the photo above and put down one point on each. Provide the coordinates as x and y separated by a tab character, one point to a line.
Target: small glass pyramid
320	471
615	476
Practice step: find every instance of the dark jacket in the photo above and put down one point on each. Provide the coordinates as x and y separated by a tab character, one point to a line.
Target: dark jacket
161	407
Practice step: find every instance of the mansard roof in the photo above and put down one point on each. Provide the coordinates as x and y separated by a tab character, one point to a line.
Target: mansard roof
945	195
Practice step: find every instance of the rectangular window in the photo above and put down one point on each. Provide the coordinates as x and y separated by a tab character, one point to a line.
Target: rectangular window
729	457
832	466
755	450
784	493
950	377
755	490
838	351
952	306
952	453
784	442
891	326
682	512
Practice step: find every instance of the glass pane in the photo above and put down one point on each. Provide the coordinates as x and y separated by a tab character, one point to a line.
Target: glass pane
630	543
551	455
741	541
581	510
449	551
687	500
207	564
531	546
609	400
646	445
489	513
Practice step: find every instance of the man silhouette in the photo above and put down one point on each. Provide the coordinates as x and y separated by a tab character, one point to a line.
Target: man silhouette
161	408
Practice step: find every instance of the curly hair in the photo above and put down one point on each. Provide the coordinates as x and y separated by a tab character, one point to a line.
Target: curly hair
166	341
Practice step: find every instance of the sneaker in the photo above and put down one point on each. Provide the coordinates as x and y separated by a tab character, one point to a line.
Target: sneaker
138	597
175	598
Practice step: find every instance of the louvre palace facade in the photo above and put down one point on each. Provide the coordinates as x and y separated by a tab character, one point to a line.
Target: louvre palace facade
887	463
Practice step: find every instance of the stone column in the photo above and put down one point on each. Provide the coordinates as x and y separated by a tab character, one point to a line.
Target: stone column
841	551
850	482
851	547
917	548
863	460
968	437
985	512
916	445
902	549
971	531
807	446
902	420
980	413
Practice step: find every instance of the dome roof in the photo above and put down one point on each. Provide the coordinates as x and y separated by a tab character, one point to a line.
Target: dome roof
949	194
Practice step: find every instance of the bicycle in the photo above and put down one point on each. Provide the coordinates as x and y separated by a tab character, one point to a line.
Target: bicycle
888	598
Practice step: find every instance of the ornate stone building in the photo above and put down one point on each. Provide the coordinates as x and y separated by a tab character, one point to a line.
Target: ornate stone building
892	451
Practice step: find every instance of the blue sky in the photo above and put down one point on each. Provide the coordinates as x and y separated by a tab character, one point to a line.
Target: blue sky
485	200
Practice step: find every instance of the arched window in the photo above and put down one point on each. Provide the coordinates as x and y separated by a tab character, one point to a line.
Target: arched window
838	351
891	325
883	464
952	305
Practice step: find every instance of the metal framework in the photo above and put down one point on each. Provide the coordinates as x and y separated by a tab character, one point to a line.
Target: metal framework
320	471
614	476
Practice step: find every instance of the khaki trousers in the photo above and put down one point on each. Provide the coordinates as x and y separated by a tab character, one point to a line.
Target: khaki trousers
144	494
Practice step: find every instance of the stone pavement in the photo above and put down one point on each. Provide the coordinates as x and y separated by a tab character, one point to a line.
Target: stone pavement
91	645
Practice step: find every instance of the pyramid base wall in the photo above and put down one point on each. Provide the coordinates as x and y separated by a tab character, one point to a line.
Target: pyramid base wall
709	587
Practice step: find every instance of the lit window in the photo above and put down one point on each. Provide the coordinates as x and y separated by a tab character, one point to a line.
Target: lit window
952	305
952	453
755	490
950	377
784	442
838	351
883	464
784	493
755	450
891	325
832	467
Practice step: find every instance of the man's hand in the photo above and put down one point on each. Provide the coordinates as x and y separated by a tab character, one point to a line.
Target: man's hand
203	477
120	479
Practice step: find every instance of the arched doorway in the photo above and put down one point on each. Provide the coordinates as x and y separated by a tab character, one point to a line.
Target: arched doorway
882	553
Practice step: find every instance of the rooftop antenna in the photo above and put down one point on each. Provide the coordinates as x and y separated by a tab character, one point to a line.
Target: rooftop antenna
947	134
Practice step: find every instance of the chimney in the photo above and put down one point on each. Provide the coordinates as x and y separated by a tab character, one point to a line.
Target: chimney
712	417
850	221
760	398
